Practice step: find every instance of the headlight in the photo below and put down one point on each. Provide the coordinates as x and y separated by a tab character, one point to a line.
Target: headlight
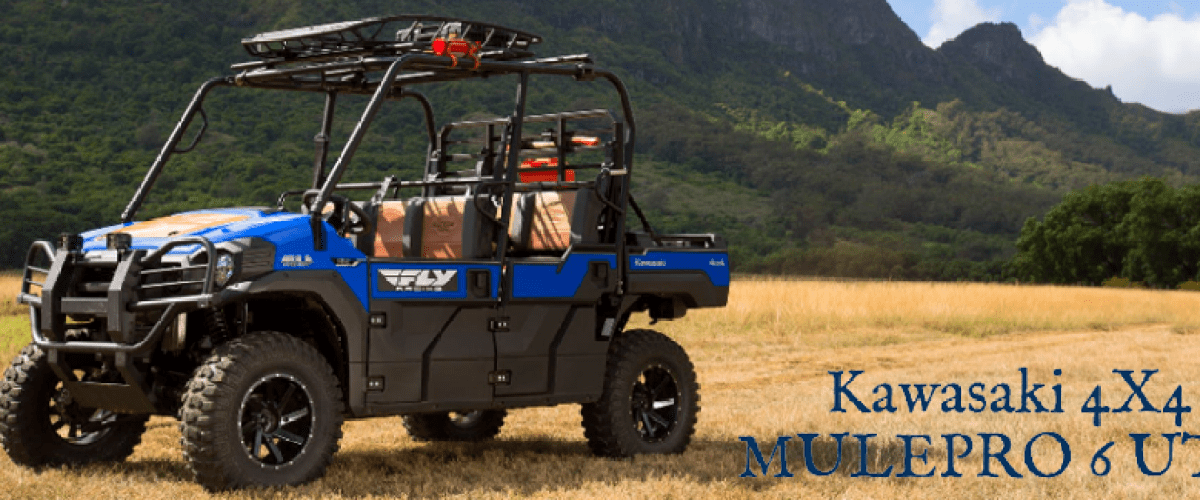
224	269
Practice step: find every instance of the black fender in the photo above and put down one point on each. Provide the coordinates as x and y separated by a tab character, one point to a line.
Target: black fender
347	313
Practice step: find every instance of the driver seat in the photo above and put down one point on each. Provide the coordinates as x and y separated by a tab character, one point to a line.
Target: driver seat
389	229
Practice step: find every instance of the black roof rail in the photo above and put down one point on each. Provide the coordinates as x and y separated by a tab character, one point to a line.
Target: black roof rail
388	36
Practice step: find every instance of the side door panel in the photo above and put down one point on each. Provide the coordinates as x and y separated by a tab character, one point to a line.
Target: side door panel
552	334
429	336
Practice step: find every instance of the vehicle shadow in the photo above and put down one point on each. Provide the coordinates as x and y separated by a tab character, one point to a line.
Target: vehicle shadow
518	467
535	464
542	464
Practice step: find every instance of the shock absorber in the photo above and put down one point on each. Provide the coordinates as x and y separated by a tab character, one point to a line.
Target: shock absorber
218	327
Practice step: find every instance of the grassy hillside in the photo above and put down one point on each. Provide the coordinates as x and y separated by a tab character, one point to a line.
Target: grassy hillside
818	136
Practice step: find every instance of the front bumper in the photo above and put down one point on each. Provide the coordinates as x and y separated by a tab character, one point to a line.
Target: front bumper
116	305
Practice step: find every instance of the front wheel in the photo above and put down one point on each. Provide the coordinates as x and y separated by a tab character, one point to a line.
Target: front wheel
263	410
40	424
650	398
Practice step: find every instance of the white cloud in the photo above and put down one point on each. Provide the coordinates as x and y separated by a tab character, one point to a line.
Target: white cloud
1036	21
952	17
1152	61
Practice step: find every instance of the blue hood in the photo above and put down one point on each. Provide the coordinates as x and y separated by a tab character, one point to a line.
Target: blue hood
289	232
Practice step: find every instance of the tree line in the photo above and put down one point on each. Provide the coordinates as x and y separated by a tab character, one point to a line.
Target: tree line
1141	230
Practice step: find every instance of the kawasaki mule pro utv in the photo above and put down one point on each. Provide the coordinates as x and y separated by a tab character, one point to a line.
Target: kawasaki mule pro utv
504	280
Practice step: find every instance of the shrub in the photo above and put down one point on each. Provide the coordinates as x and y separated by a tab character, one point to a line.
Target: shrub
1118	282
1190	285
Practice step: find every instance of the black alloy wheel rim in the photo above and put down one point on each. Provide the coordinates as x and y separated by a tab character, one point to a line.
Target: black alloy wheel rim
276	420
655	403
74	425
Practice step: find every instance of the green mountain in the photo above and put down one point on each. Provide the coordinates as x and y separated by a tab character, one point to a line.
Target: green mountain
819	137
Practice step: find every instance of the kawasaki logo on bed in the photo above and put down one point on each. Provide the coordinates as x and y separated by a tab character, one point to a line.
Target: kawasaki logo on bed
418	280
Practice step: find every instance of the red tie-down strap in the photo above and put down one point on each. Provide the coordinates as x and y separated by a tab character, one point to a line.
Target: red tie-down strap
453	47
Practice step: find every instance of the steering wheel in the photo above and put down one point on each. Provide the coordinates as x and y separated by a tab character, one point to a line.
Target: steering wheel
339	216
354	219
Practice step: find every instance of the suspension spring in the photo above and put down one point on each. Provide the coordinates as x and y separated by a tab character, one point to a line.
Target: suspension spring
218	327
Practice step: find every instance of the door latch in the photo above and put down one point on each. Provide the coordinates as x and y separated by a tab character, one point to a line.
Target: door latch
498	324
500	377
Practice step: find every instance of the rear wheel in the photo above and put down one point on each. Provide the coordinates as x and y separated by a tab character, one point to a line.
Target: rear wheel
650	398
263	410
40	424
478	425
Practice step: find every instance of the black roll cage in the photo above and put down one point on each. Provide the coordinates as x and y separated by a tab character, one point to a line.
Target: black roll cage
348	58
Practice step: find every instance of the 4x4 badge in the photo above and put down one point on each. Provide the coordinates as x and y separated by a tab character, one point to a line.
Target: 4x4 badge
417	280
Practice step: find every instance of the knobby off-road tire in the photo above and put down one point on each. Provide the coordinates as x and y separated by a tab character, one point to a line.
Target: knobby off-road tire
479	425
263	410
41	426
650	399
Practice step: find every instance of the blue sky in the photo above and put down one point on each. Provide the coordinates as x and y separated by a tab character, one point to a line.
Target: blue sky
1149	51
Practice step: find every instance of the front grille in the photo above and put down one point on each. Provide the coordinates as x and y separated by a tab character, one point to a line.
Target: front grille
170	279
94	280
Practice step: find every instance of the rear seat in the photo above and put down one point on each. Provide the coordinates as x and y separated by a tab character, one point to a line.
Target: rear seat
444	227
551	221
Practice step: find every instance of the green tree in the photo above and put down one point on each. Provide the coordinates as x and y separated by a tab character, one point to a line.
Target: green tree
1142	230
1163	225
1078	240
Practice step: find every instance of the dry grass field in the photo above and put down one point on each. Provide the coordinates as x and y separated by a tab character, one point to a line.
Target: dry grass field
763	364
10	285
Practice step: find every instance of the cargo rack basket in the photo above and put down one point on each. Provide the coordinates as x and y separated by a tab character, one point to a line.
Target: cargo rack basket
389	36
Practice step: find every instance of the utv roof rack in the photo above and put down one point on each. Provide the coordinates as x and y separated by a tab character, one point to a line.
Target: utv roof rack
389	36
351	56
385	57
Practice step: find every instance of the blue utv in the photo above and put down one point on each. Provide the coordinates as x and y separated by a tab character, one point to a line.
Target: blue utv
501	277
